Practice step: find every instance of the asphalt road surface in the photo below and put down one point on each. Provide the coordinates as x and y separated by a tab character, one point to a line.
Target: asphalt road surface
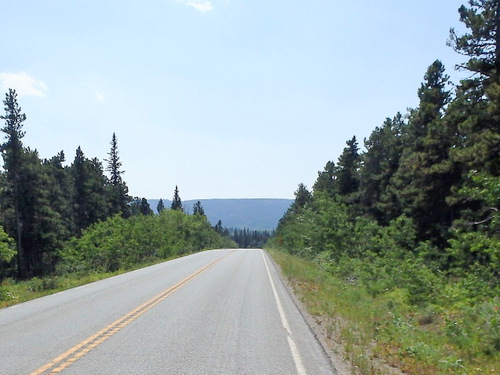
215	312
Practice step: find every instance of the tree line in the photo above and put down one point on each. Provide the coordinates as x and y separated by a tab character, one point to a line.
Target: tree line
437	166
417	212
248	238
45	203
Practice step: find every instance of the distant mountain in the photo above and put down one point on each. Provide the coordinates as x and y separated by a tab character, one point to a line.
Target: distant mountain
256	214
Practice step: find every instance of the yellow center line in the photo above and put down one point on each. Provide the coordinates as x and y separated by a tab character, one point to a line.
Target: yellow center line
78	351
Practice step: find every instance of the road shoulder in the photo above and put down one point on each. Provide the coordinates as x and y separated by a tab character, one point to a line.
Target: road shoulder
332	349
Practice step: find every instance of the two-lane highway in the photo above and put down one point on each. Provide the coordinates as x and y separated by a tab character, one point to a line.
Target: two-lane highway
216	312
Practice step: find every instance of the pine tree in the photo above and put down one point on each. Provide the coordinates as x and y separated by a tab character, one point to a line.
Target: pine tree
218	227
424	176
80	177
326	180
114	163
90	195
160	206
135	206
482	42
12	152
145	209
35	209
302	198
176	201
98	200
379	163
479	95
347	170
61	192
44	228
433	99
198	209
117	189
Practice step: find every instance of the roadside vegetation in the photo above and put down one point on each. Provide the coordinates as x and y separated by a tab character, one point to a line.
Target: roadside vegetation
66	225
399	314
400	243
116	245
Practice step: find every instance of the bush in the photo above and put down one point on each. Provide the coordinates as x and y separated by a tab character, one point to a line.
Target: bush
119	243
37	284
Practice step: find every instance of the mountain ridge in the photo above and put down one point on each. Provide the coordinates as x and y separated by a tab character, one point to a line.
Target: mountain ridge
250	213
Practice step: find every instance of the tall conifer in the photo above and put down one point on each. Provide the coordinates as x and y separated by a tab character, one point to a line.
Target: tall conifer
176	201
117	189
12	152
198	209
160	206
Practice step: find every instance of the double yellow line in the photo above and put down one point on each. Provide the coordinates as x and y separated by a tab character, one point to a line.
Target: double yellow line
78	351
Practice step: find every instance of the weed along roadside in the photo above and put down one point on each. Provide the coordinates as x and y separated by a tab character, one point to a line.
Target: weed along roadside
386	333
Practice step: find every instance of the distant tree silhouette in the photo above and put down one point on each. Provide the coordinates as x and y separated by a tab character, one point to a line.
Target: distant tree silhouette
160	206
176	201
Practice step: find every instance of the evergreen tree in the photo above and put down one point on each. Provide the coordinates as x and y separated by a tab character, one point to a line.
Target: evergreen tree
144	208
424	176
176	201
326	180
302	198
80	177
198	209
89	186
140	206
379	163
246	238
44	229
117	189
218	227
347	170
98	199
114	163
482	42
479	95
433	99
160	206
135	206
61	192
12	152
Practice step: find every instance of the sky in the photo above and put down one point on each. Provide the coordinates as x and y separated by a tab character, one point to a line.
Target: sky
224	98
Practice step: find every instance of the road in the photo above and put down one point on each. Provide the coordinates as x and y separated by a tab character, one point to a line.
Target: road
215	312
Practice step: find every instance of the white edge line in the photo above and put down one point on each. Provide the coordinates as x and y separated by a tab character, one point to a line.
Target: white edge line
291	343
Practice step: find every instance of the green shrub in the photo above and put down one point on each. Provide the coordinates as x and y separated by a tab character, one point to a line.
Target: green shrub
41	284
119	243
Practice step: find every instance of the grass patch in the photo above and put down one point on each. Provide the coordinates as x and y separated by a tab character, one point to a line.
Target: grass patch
452	337
13	292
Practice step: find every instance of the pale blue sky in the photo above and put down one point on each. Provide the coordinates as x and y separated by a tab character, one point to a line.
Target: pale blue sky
224	98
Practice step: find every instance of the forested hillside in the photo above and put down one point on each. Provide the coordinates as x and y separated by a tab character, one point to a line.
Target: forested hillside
414	218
